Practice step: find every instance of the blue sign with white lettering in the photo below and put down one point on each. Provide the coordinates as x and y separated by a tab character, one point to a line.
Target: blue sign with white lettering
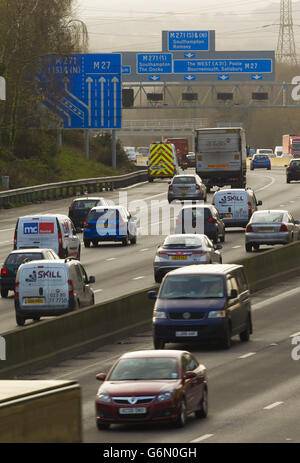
217	66
153	63
188	40
30	228
89	89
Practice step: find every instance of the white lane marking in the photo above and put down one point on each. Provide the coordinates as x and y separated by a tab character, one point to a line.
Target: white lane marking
295	334
273	180
201	438
235	247
275	404
97	290
291	201
7	229
277	298
5	242
247	355
110	258
138	278
145	249
133	186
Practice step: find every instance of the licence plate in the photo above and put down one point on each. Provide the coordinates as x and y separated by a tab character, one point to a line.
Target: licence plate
133	411
266	228
34	300
183	188
179	257
186	333
227	216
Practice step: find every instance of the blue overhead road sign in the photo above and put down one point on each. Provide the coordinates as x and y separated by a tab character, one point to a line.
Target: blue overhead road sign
153	63
218	66
188	40
91	89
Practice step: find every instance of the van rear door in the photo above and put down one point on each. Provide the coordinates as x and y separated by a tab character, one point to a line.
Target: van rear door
232	204
43	285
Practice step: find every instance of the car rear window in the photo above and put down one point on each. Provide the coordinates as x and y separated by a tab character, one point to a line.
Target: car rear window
261	156
184	180
86	204
193	213
272	217
104	214
295	163
177	242
19	258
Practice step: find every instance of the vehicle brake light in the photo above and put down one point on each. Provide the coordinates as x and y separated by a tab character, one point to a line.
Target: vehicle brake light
71	288
170	188
288	169
60	244
249	229
283	228
86	224
212	220
198	252
4	271
197	187
15	239
16	293
250	208
162	253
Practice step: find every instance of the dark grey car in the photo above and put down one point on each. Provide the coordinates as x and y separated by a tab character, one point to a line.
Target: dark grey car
187	187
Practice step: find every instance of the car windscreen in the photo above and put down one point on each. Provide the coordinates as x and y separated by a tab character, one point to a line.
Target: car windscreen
192	287
19	258
86	204
184	180
271	217
179	241
104	214
145	369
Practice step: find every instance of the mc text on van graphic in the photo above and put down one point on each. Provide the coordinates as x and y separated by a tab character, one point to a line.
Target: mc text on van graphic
34	228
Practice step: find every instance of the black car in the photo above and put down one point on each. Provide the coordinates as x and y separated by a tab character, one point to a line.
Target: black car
80	207
293	170
13	262
191	159
202	218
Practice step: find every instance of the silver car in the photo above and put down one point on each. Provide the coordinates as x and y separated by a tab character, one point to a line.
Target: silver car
271	227
187	187
184	249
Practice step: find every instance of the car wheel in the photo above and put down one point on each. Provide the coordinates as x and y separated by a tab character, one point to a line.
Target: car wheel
102	426
36	319
150	180
4	292
181	418
288	180
158	343
78	254
157	277
269	168
86	243
20	320
251	168
226	341
133	240
125	241
256	246
245	335
203	411
95	243
222	238
248	247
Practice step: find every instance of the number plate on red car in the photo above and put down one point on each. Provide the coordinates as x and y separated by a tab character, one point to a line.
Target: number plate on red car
132	411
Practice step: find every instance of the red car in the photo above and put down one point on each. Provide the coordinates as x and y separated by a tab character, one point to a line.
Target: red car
152	386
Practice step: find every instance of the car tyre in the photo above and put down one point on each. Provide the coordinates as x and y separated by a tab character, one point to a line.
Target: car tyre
245	335
256	246
95	243
4	292
86	243
222	238
102	426
125	241
203	411
158	343
288	180
248	247
20	320
226	341
181	418
36	319
133	240
157	277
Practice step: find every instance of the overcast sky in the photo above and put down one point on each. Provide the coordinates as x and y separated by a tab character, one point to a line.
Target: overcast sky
134	25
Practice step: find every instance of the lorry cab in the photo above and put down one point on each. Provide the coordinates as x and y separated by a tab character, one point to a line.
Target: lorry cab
162	161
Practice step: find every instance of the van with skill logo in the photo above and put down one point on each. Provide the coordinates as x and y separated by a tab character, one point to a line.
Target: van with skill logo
54	231
51	287
235	206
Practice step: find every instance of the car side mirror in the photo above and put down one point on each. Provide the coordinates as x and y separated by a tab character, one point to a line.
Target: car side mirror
190	375
101	376
152	295
218	246
233	294
91	279
259	203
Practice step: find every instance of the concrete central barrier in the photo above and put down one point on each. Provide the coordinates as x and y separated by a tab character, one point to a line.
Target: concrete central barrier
50	341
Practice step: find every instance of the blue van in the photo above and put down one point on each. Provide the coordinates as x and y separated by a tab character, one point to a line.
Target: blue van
202	303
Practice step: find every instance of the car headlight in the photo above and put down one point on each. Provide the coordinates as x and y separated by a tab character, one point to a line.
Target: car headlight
166	395
217	314
159	314
104	397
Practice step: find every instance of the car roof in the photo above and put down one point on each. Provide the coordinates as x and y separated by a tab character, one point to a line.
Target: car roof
232	190
154	353
267	211
49	261
204	269
20	251
45	215
88	197
99	208
197	206
188	235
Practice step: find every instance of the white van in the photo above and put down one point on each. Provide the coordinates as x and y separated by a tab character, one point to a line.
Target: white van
235	206
51	287
54	231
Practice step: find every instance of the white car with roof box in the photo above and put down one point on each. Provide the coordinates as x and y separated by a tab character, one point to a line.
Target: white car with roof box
54	231
51	287
235	206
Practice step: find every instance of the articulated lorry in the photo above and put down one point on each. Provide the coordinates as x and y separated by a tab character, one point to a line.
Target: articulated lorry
221	156
291	145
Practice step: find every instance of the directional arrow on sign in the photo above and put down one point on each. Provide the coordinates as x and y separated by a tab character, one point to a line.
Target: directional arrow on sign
102	81
189	77
223	77
154	78
257	77
189	55
115	81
